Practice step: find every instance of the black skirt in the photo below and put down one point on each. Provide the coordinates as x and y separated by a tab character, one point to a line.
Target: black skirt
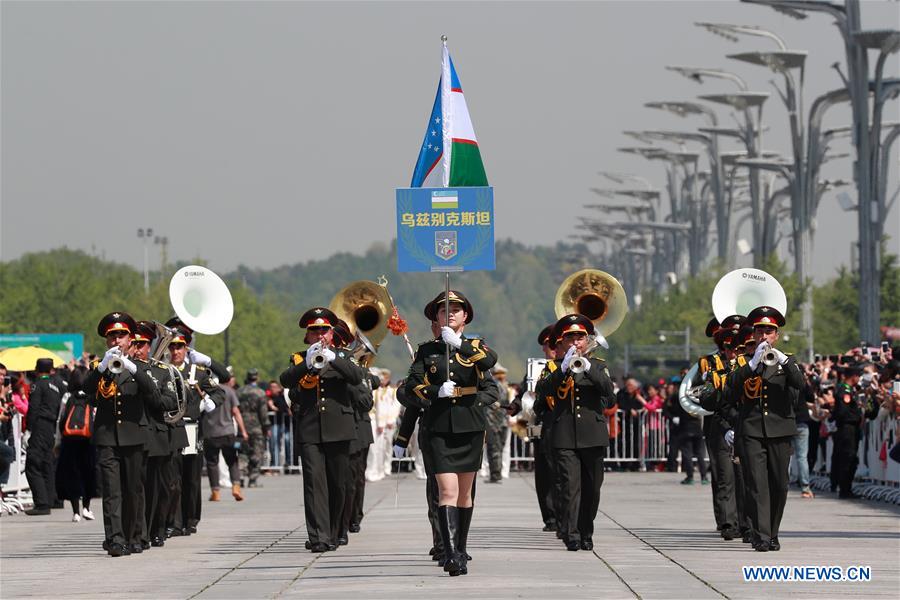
455	452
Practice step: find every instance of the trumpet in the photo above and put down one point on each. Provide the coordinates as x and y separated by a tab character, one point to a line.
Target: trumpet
117	364
580	362
317	358
769	358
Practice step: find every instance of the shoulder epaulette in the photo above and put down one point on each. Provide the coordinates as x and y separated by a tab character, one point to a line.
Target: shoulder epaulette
296	358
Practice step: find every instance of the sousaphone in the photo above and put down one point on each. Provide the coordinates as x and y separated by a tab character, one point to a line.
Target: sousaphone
742	290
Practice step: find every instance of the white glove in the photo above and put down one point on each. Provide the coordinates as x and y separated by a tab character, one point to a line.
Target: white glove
757	356
567	359
198	358
448	390
451	337
128	365
729	437
314	347
329	354
676	420
207	405
110	354
399	451
781	356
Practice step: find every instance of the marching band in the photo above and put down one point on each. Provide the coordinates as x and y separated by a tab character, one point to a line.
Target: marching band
155	398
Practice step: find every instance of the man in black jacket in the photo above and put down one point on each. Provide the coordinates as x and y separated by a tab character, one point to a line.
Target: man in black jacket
43	410
120	391
324	424
580	434
766	395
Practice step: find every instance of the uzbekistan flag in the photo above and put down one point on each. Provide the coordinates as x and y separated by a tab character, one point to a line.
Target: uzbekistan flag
449	156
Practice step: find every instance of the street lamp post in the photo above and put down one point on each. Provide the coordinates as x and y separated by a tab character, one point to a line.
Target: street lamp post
866	138
146	235
686	332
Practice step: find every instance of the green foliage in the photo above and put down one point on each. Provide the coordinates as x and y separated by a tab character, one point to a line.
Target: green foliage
68	291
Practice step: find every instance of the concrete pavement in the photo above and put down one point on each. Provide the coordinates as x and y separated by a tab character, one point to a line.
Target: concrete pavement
654	539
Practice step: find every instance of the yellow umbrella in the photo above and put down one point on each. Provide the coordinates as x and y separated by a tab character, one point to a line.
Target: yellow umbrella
24	358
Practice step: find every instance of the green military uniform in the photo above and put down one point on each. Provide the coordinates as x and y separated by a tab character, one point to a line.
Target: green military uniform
766	399
545	479
497	428
324	425
255	412
456	425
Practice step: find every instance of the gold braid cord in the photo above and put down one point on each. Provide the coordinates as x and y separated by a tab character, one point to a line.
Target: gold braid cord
752	387
107	389
309	382
562	392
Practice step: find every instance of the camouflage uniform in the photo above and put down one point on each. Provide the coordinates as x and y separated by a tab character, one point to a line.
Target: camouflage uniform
497	425
254	411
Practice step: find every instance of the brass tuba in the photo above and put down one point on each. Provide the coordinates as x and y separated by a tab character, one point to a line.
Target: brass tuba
159	357
595	294
366	307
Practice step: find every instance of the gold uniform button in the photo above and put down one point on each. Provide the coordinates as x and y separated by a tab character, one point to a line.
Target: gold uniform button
323	409
578	415
766	412
451	373
453	402
120	421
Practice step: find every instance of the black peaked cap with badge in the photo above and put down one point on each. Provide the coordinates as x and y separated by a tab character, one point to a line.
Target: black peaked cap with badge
115	321
712	327
432	308
765	315
572	323
546	335
318	316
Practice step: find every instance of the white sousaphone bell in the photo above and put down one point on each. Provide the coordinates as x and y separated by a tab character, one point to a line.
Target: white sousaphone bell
201	299
737	293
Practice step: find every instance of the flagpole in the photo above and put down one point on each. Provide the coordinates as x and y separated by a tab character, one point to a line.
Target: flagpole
447	144
447	316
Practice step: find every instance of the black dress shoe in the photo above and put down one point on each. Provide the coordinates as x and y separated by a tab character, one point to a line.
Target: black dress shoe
774	545
318	547
761	546
342	541
354	527
190	529
549	527
330	547
172	532
106	545
136	548
37	512
433	551
747	538
116	549
308	545
587	544
729	534
559	535
439	557
573	546
145	545
157	542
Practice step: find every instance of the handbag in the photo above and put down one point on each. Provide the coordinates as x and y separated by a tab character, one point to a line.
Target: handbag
79	419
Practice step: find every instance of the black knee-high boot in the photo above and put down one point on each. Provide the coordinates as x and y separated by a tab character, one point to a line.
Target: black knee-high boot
448	518
465	519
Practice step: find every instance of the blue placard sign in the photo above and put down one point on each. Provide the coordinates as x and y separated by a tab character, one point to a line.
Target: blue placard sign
445	229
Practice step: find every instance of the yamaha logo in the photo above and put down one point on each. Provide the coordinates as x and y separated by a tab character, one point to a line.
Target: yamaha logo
753	276
194	274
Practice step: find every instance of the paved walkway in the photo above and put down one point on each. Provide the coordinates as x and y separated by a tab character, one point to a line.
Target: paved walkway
654	539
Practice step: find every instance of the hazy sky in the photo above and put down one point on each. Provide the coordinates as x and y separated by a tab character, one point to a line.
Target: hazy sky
272	133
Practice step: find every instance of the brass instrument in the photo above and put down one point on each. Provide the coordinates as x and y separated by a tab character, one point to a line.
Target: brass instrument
366	307
689	394
159	356
598	296
769	358
117	363
595	294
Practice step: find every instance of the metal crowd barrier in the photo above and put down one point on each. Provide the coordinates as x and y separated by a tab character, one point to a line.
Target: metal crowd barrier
280	455
642	439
